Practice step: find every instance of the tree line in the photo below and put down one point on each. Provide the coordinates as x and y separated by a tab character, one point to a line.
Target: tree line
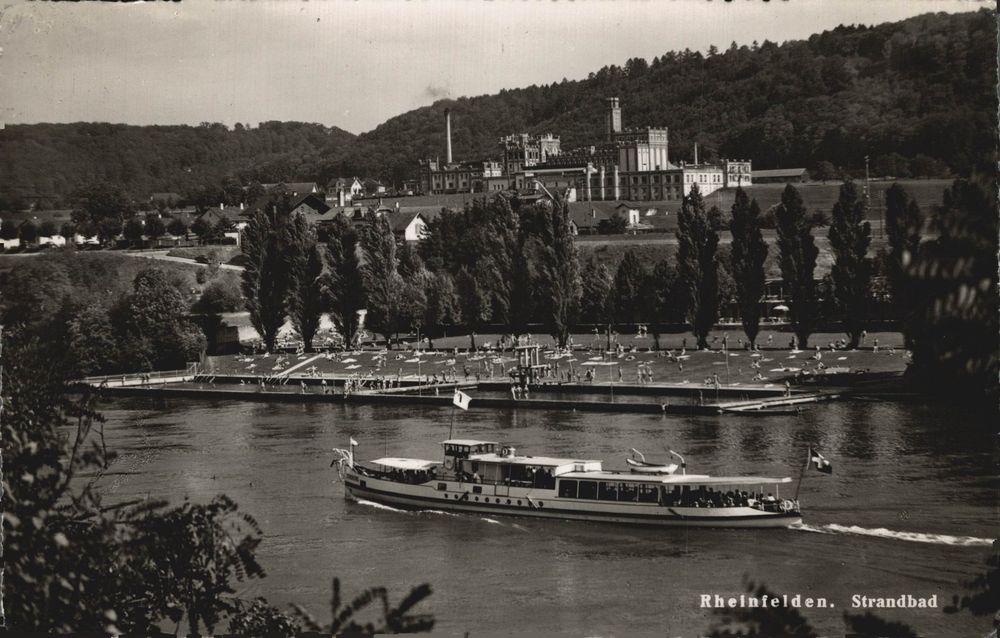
505	263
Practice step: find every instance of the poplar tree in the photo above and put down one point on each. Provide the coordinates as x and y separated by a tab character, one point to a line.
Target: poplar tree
305	290
628	282
696	265
749	252
850	235
345	289
596	304
383	283
559	288
903	224
798	252
265	274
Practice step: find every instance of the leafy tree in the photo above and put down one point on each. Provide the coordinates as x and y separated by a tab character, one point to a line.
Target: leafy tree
152	317
155	227
657	298
749	252
558	284
106	206
825	171
954	331
306	289
134	230
93	345
265	278
197	552
596	301
696	265
48	228
903	226
202	228
383	283
614	225
627	287
798	252
345	283
28	232
850	235
219	297
413	302
441	303
9	229
473	299
177	227
24	301
68	231
985	596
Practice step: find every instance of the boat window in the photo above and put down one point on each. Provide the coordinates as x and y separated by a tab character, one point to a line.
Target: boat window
442	486
648	493
626	491
607	491
588	489
567	488
477	489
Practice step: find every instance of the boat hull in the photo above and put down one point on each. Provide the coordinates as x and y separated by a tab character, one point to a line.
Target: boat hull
509	501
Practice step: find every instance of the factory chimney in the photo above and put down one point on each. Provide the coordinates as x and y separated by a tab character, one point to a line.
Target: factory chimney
447	129
695	153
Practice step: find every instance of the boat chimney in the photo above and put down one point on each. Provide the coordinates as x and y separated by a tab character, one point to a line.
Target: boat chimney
447	131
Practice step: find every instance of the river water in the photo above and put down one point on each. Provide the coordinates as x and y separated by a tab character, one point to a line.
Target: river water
909	509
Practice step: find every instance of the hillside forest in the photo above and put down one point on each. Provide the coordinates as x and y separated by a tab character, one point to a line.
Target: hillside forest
916	96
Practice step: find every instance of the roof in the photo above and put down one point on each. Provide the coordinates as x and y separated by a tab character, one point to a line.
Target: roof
164	196
313	201
400	221
778	172
343	181
547	461
675	479
405	464
231	214
590	214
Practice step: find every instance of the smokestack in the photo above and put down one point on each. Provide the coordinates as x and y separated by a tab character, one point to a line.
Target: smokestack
447	129
696	153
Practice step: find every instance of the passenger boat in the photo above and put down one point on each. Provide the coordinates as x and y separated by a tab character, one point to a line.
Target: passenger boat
488	478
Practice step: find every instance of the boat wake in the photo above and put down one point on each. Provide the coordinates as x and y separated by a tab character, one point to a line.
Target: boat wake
361	501
882	532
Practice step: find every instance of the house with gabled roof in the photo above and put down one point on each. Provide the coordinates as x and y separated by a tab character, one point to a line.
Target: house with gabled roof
343	189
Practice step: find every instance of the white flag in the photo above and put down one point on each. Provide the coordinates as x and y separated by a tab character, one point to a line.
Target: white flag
461	399
353	442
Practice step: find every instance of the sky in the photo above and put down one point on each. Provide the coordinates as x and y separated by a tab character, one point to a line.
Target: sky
355	63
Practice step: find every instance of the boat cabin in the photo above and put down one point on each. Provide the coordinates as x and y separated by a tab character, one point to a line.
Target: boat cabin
415	471
691	490
489	462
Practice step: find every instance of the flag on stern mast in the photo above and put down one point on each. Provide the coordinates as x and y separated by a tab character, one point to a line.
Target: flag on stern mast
461	399
820	462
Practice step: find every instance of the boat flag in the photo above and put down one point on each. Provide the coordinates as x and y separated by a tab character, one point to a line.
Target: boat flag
353	442
461	399
820	462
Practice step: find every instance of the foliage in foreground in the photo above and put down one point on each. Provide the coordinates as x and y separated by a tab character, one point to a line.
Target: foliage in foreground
76	563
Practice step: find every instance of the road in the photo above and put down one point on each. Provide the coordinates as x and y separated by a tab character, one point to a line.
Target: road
163	256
